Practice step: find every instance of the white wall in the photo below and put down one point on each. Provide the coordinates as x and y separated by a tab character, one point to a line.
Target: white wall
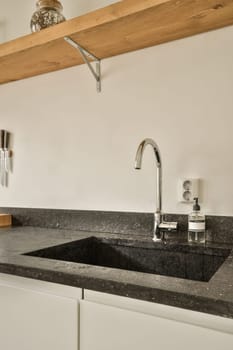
75	148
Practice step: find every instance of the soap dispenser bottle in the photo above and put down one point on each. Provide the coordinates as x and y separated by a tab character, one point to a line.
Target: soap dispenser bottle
196	225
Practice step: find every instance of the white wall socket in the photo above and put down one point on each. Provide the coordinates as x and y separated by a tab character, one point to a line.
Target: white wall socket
188	189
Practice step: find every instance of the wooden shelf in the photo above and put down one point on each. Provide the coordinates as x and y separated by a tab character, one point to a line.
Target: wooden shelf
122	27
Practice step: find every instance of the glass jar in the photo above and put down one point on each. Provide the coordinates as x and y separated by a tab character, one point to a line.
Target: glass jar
49	13
196	225
196	228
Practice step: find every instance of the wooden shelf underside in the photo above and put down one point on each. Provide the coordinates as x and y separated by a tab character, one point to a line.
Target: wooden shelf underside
119	28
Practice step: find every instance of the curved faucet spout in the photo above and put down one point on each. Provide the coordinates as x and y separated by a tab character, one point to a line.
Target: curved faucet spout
138	164
160	226
140	151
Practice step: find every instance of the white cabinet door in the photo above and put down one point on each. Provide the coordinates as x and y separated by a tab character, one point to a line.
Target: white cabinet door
105	327
33	317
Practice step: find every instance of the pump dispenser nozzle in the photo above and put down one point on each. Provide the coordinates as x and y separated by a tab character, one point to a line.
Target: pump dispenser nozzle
196	206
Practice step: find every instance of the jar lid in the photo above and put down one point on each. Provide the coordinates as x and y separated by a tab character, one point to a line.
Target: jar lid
54	4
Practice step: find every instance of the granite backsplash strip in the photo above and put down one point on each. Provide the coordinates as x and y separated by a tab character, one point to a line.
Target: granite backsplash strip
93	221
219	228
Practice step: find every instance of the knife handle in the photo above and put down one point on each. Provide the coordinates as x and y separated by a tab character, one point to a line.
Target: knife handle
6	140
1	139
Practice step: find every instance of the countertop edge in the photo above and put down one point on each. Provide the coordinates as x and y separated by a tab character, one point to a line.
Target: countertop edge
166	297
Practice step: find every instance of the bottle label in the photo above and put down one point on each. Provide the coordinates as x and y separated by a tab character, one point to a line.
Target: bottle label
197	226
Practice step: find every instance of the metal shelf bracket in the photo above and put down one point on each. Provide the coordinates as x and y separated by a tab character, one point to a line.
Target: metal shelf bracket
88	59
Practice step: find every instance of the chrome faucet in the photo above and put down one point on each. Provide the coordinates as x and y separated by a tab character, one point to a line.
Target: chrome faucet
160	226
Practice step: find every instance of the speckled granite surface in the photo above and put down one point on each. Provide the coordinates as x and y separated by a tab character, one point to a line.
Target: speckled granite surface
96	221
219	228
215	296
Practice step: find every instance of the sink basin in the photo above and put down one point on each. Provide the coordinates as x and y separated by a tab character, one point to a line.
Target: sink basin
182	261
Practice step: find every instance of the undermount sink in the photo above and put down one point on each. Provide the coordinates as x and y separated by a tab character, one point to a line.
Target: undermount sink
181	261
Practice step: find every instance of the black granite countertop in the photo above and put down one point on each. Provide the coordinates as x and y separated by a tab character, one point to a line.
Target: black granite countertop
214	297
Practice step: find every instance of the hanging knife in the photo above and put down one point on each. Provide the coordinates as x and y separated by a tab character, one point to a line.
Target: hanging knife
2	163
6	151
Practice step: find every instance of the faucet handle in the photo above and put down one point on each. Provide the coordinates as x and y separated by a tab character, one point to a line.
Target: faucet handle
160	229
168	226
